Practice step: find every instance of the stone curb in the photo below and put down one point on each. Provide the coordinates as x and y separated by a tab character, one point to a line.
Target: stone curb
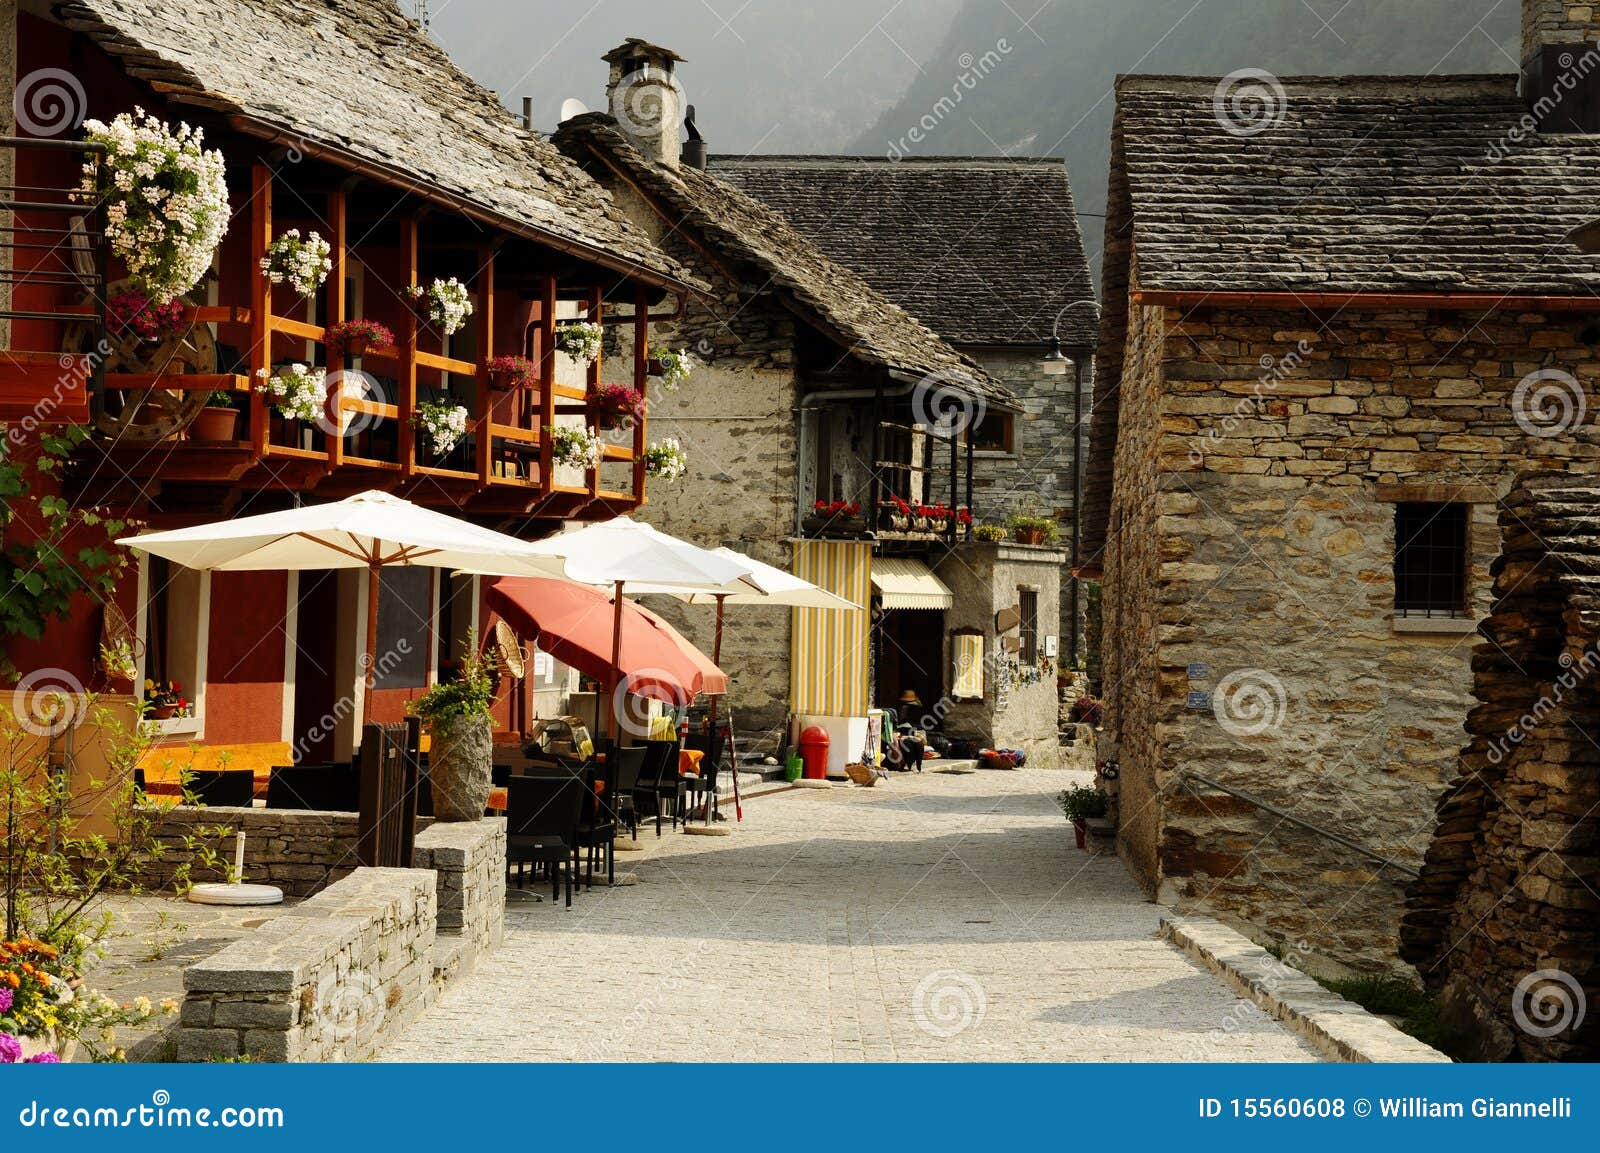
1342	1030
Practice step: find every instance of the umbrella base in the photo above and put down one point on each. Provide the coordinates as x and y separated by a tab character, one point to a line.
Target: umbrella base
807	783
708	830
627	846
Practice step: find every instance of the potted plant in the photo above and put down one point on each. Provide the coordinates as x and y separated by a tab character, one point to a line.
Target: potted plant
835	518
1081	803
445	304
357	337
1033	526
615	405
938	516
166	200
666	460
297	391
509	373
131	314
580	339
898	513
443	422
461	734
990	533
577	447
164	700
217	422
673	368
302	264
1087	711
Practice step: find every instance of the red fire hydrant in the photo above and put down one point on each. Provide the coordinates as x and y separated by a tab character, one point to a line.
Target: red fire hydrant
814	744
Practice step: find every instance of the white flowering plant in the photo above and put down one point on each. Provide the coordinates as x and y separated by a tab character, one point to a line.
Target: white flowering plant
580	340
302	264
296	391
443	423
674	367
446	303
165	197
578	447
666	459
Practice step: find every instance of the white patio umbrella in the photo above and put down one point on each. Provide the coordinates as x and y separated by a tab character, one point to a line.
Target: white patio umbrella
371	530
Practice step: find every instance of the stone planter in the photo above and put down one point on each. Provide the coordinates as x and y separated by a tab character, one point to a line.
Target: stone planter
460	764
48	1042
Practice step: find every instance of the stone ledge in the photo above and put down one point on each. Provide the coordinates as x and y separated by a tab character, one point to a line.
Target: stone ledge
1344	1031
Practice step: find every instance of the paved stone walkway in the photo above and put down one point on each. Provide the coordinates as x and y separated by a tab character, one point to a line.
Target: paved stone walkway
940	917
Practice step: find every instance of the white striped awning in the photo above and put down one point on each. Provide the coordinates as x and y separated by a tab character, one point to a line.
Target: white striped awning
908	584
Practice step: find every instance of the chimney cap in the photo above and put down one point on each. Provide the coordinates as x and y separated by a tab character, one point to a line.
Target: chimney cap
633	48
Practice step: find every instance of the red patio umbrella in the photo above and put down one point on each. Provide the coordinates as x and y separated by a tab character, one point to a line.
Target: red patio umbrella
586	628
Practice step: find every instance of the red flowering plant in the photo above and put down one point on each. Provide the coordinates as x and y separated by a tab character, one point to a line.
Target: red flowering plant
512	372
165	699
615	405
130	313
935	512
355	337
833	508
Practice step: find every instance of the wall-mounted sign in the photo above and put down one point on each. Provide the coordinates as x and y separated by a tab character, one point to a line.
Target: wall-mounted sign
1199	672
1050	646
1007	619
1198	702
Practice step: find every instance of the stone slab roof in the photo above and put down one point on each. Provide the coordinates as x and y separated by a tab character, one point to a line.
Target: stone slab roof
743	230
1400	184
358	77
983	250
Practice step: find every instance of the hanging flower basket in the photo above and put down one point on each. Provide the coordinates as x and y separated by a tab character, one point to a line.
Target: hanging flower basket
580	340
445	304
897	516
673	368
509	373
131	314
296	391
302	264
666	460
357	338
615	405
165	198
576	447
443	423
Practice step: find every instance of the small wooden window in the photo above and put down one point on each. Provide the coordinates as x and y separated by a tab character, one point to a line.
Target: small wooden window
1430	559
997	432
1028	607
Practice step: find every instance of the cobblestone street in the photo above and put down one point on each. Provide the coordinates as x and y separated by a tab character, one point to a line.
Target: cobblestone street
945	916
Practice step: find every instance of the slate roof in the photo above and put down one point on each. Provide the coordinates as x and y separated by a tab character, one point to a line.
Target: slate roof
358	77
983	250
1364	185
745	231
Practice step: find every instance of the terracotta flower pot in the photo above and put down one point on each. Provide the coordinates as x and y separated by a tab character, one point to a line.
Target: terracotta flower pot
215	426
505	380
1034	536
161	712
460	767
356	346
1081	831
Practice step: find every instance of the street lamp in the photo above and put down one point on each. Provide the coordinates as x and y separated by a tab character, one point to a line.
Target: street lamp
1056	363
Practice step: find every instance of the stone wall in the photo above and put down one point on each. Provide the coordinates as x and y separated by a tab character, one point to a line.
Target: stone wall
469	862
1505	921
301	851
1250	566
1558	22
1020	709
332	979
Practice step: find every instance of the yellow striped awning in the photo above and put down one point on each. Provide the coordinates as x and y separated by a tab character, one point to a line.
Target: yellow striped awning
909	584
832	650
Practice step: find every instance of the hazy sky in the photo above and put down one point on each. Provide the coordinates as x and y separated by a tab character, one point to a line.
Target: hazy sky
766	75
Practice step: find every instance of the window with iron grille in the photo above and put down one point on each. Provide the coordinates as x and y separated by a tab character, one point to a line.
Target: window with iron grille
1028	608
1430	559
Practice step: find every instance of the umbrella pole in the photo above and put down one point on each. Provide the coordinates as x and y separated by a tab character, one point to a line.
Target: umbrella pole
616	663
372	635
733	760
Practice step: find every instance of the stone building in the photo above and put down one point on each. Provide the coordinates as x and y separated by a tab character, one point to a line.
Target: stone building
1505	921
810	385
1332	336
987	252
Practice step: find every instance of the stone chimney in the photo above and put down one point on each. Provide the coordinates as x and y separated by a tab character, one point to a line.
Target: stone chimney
1561	64
646	99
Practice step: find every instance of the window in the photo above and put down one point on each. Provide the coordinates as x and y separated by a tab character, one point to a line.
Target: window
174	612
966	651
1430	559
1028	608
997	432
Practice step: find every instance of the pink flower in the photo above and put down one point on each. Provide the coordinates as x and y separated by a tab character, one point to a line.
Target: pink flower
10	1049
7	999
45	1058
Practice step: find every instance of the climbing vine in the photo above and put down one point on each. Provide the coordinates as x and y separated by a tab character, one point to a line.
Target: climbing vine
63	551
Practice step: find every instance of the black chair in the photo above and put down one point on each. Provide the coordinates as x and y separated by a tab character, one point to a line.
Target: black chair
625	780
499	775
542	815
334	787
597	824
224	788
703	789
424	788
659	782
